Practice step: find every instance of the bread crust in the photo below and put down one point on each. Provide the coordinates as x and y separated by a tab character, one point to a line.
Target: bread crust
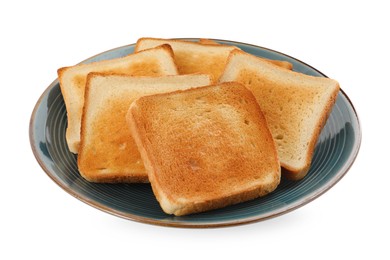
212	160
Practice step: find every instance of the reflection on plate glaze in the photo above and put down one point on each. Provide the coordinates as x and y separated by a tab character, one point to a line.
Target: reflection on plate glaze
335	152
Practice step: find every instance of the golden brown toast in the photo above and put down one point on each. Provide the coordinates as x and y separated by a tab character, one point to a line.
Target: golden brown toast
204	148
208	41
107	151
295	105
154	62
283	64
192	57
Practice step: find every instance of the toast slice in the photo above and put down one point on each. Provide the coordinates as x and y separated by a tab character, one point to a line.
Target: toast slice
204	148
155	62
107	151
295	105
192	57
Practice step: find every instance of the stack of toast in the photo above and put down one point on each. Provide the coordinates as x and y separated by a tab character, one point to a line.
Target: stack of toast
207	124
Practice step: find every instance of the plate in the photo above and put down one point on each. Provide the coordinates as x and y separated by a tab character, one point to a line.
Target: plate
335	152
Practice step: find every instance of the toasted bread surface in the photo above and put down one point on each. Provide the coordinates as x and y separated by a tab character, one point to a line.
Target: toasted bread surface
204	148
295	105
283	64
154	62
208	41
204	56
107	150
192	57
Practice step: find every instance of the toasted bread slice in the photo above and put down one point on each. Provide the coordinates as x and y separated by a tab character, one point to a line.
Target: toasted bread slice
295	105
155	62
192	57
205	148
107	151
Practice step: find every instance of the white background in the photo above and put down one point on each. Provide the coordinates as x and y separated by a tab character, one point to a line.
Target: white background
347	42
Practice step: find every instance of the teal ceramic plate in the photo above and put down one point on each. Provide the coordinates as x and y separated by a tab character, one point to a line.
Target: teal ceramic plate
335	152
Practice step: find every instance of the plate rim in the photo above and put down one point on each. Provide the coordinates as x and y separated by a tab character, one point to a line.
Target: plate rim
146	220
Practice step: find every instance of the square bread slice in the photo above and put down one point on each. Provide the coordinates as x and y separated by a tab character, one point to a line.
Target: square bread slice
198	57
154	62
107	151
192	57
295	105
205	148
